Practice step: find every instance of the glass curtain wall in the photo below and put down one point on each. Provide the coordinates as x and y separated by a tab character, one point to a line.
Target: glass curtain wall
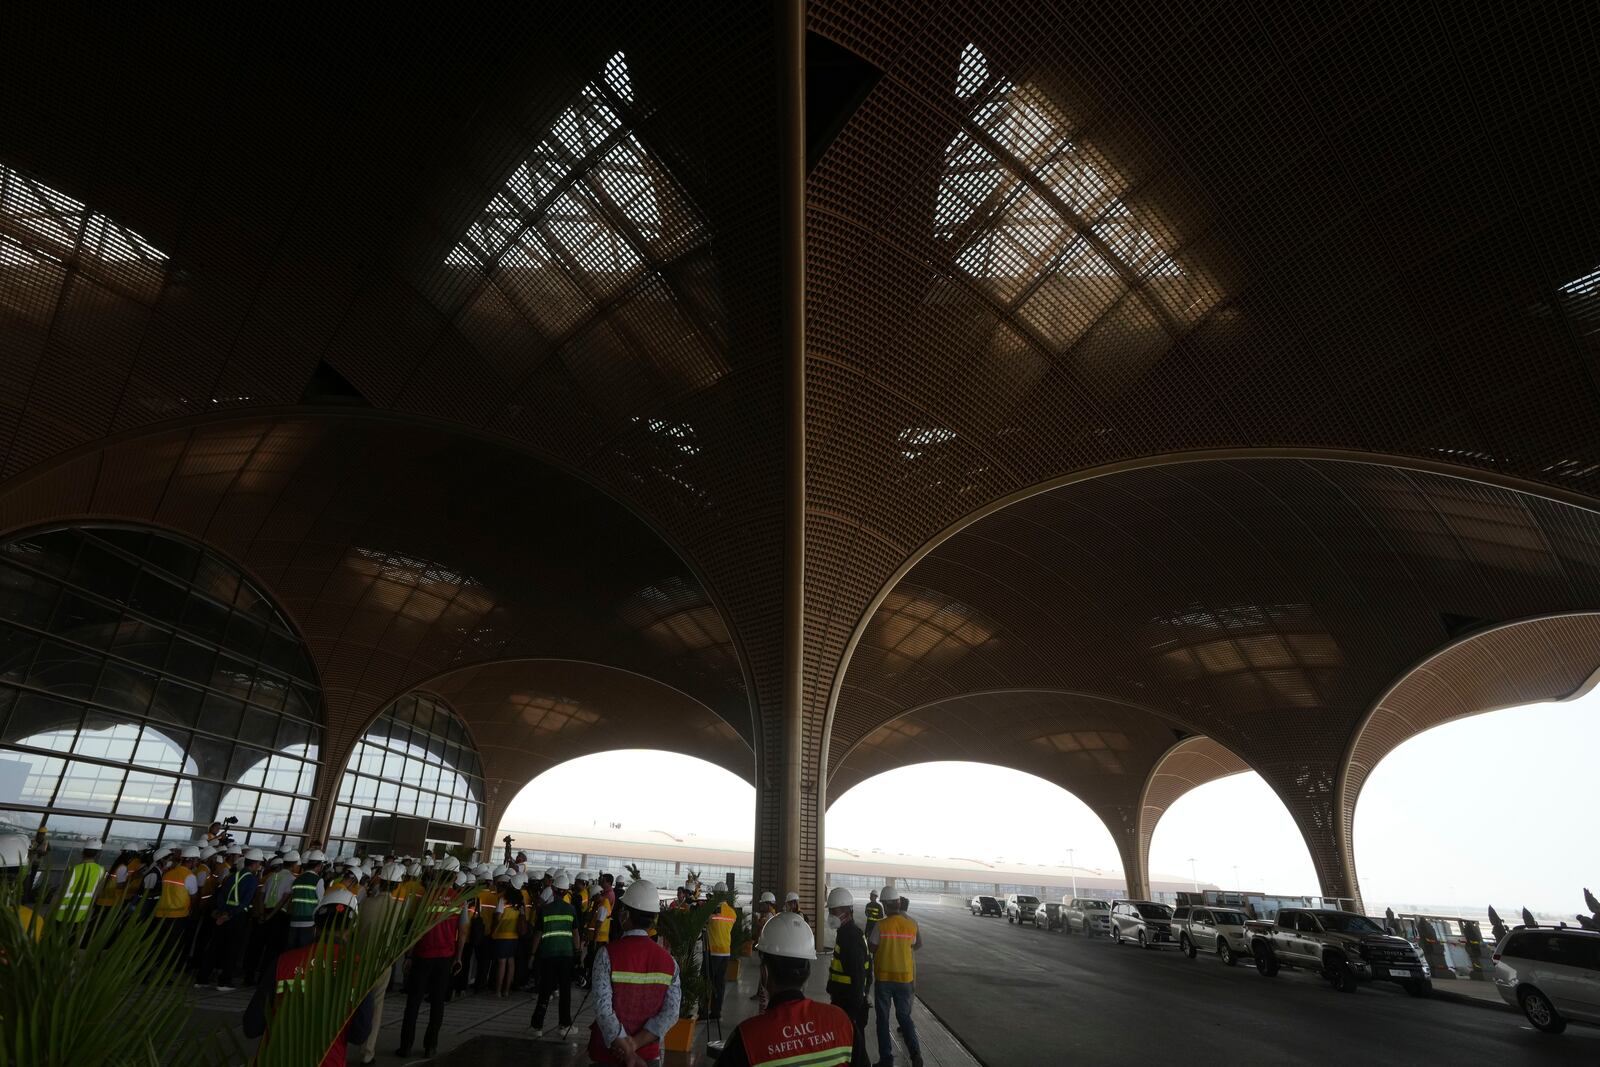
147	687
414	778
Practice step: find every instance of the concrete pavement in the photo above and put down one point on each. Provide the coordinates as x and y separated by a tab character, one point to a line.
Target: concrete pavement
1016	995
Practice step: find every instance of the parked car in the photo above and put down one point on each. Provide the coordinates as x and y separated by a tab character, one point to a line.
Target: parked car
1345	948
1047	916
1086	914
1552	974
1208	929
1142	921
982	905
1020	907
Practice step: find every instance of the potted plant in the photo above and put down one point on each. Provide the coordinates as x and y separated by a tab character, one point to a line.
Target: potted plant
681	930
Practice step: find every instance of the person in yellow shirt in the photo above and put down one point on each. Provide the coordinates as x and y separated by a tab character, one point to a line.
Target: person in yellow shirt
410	886
894	942
719	949
507	924
14	866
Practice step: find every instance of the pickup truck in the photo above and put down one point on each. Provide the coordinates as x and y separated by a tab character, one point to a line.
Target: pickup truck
1343	947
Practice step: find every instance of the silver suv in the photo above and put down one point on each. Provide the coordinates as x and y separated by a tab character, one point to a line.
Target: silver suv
1143	922
1020	907
1087	914
1204	928
1552	974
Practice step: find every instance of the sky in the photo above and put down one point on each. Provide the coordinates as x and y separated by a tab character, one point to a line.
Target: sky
1490	809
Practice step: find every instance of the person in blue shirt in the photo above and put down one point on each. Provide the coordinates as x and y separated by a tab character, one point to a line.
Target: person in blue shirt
230	910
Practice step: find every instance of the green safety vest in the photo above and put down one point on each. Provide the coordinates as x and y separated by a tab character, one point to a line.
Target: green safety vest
555	930
79	896
303	898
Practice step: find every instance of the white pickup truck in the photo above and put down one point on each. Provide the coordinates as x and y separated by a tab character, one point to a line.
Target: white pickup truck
1343	947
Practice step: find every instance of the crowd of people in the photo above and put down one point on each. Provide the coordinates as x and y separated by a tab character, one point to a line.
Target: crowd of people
239	916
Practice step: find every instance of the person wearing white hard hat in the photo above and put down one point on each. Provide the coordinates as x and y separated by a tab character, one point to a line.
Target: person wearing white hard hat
200	916
847	971
719	951
175	903
506	923
305	894
376	907
430	964
335	921
791	903
766	907
14	865
637	989
83	884
557	947
894	976
793	1029
597	924
231	918
272	930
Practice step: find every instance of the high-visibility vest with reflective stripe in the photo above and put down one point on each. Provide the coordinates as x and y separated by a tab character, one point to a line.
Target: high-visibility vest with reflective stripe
555	931
303	898
130	888
602	921
641	973
110	892
874	911
80	894
719	934
892	962
174	902
798	1033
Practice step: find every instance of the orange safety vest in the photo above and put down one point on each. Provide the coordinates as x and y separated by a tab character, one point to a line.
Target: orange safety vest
174	902
798	1032
892	962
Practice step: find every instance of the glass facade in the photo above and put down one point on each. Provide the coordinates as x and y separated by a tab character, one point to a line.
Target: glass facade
413	778
146	689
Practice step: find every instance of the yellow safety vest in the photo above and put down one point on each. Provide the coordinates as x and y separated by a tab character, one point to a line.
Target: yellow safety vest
130	888
80	894
174	902
893	962
408	888
602	922
719	934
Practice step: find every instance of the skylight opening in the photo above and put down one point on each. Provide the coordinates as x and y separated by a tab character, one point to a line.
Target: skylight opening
1010	236
916	440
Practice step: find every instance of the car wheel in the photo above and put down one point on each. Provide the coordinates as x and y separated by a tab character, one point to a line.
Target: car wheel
1540	1012
1266	962
1116	935
1343	978
1142	942
1225	953
1186	946
1009	920
1418	987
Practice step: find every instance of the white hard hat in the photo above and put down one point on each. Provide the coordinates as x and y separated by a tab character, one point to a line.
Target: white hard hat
462	879
206	853
502	871
792	898
787	935
889	894
481	870
427	859
840	898
549	872
518	880
13	850
335	898
450	863
546	895
189	852
94	844
316	856
292	856
562	881
767	898
562	872
584	876
414	870
643	896
392	872
252	855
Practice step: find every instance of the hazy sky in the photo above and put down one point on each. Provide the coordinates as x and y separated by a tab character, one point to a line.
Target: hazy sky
1497	808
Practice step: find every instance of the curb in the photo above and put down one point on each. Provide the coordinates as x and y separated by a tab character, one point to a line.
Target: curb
953	1035
1462	998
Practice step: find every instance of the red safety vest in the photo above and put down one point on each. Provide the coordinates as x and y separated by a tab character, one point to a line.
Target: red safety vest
641	974
290	972
800	1032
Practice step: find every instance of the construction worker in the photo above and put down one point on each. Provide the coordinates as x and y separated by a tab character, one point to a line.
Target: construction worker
872	913
894	940
175	902
847	971
14	864
429	965
200	924
719	949
108	898
272	914
637	989
335	918
82	889
793	1030
791	903
601	906
377	907
557	946
766	908
411	884
305	893
508	921
231	919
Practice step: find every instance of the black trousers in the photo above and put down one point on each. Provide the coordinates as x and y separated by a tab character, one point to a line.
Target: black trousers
855	1006
429	978
717	976
227	949
555	976
200	940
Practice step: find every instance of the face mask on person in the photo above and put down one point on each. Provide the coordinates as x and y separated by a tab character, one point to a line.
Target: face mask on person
833	922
